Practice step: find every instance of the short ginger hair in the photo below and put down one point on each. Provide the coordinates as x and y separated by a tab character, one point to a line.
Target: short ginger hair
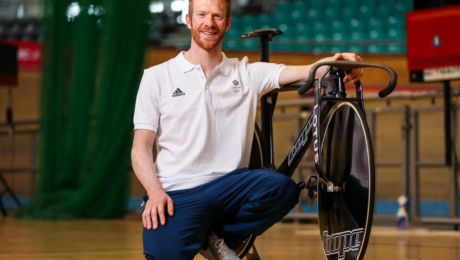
227	2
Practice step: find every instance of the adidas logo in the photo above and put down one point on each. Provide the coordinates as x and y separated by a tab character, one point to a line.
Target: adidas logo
178	93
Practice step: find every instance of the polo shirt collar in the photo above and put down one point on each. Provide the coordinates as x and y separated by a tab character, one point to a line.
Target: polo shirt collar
186	66
183	63
224	67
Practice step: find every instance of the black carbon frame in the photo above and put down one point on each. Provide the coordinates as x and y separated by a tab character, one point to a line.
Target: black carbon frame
300	146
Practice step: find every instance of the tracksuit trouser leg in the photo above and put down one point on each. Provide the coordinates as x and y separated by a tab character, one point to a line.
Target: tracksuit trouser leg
237	205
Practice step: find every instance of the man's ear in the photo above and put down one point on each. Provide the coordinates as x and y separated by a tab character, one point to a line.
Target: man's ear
189	22
229	23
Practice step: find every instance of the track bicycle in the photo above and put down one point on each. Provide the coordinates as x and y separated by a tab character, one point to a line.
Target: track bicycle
342	151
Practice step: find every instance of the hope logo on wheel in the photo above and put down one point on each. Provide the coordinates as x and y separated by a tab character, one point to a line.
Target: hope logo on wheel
343	242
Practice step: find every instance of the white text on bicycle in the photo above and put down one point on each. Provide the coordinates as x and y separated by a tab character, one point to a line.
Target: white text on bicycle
340	243
300	142
315	129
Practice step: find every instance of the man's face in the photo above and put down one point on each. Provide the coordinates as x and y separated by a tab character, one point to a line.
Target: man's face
209	23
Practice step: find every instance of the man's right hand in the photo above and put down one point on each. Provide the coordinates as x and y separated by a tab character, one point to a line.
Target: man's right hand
155	207
141	156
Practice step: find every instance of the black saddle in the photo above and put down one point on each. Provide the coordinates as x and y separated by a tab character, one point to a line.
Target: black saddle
269	33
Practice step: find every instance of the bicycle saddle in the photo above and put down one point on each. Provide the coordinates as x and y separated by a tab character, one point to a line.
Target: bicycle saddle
261	33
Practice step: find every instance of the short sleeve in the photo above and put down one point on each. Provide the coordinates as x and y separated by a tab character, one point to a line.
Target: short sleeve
147	113
266	76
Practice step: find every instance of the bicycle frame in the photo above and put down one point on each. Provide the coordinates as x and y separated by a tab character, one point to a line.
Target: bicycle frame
335	94
326	103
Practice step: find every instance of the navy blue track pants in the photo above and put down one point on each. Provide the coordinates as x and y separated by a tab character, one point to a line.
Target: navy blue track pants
235	206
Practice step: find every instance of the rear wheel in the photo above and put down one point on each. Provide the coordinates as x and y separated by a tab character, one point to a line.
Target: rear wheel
345	217
256	162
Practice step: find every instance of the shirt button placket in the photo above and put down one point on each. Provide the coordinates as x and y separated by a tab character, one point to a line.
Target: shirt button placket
204	81
206	92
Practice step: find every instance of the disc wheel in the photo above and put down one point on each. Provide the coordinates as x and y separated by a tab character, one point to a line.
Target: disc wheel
256	162
345	217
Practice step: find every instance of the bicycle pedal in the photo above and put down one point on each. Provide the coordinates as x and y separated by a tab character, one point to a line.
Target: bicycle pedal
301	185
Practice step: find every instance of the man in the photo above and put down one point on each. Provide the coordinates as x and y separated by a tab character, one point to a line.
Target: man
200	108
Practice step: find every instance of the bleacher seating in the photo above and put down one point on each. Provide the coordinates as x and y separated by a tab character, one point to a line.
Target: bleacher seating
20	29
328	26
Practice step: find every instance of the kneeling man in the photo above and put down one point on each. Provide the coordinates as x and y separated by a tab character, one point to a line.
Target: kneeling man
200	108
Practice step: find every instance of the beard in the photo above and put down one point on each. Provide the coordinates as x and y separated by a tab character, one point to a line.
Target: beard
208	44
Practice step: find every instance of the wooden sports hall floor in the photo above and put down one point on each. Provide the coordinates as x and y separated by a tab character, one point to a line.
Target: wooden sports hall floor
121	239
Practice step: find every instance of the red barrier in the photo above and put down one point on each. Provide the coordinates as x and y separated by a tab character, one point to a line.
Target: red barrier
432	44
29	54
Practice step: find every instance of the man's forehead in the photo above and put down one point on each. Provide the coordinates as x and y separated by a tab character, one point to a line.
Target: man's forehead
207	9
214	5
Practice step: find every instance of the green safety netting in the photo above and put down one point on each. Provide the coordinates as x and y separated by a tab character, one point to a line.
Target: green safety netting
92	64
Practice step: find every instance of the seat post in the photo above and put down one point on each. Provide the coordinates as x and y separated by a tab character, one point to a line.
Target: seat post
264	48
267	101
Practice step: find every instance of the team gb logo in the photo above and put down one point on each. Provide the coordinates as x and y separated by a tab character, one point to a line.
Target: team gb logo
236	86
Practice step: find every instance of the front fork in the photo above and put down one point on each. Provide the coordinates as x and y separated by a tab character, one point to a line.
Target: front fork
338	93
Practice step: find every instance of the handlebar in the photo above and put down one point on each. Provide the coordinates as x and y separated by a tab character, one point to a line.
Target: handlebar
345	66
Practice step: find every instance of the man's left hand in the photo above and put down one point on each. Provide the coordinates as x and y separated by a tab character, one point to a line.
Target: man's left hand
355	74
301	73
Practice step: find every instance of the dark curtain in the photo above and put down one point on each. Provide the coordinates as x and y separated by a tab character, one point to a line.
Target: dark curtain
92	64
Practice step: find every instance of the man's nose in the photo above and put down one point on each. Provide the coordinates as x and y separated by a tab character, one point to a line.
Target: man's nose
208	21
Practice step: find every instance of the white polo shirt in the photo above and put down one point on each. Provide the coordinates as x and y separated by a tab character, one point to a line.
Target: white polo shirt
204	126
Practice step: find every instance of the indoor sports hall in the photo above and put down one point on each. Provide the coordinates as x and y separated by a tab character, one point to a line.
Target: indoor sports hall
375	160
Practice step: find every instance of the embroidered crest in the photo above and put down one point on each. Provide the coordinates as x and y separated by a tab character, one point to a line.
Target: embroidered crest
236	86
